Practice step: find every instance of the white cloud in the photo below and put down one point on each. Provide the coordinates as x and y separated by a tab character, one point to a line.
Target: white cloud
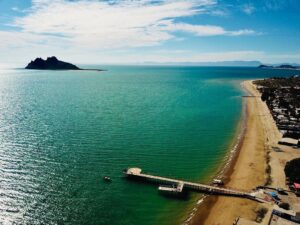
208	30
248	9
103	25
278	4
100	25
94	29
220	12
15	9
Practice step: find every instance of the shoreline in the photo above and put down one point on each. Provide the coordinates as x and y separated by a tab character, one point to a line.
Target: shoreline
233	170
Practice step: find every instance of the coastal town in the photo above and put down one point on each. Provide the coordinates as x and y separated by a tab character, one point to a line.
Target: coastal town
282	98
149	112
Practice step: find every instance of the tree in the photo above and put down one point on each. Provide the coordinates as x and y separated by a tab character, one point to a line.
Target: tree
292	170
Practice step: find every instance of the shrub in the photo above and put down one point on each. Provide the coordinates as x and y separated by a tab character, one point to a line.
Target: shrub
284	205
260	214
292	170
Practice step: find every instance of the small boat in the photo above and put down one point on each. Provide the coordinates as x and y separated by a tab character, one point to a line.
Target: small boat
218	182
106	178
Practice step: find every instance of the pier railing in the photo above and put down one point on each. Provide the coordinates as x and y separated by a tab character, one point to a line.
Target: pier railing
180	185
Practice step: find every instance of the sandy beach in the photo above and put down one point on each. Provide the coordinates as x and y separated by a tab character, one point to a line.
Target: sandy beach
249	169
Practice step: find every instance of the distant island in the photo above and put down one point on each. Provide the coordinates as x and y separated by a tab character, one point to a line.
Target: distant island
283	66
52	63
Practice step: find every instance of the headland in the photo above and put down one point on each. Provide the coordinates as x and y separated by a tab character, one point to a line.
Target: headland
52	63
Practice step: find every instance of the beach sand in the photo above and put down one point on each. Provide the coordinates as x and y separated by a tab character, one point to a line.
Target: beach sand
248	170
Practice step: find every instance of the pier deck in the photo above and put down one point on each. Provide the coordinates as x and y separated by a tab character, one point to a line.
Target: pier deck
180	185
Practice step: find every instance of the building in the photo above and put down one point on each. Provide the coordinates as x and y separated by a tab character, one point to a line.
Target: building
281	216
289	142
242	221
297	188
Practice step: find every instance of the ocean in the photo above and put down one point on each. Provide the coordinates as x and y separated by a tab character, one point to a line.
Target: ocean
62	131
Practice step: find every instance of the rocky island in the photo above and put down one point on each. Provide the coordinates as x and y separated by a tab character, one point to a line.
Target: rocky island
52	63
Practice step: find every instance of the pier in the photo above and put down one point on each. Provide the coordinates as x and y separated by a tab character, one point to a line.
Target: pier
250	96
177	186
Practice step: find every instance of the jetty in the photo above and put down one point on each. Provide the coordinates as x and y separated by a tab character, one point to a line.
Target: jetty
250	96
178	186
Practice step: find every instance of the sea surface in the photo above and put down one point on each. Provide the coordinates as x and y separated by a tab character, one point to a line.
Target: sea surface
62	131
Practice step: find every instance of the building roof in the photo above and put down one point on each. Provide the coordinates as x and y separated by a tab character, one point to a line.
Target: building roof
289	141
296	185
283	211
276	220
273	194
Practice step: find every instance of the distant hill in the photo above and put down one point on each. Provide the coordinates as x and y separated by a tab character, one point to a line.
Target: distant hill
51	63
220	63
283	66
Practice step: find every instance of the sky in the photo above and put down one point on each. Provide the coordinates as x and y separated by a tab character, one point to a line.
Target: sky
143	31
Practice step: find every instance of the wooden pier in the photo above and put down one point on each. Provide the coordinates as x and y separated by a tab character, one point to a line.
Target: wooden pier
179	185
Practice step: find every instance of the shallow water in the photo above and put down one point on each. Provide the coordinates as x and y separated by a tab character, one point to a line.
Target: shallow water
62	131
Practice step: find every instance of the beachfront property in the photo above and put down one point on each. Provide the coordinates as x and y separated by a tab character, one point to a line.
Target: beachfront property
278	216
283	163
282	96
156	87
289	142
297	188
281	216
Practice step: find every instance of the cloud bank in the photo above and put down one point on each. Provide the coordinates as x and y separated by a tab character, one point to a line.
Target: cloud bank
111	24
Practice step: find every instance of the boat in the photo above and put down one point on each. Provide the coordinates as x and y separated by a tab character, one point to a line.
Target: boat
106	178
218	182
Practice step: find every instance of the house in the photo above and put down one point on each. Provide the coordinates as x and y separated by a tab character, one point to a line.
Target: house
288	141
281	216
297	188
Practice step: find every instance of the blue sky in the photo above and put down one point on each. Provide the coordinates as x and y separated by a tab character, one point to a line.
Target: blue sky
132	31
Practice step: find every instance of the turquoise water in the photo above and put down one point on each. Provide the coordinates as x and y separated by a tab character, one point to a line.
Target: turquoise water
61	131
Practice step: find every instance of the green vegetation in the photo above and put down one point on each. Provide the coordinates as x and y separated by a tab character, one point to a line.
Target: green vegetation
284	205
268	180
292	170
260	214
278	82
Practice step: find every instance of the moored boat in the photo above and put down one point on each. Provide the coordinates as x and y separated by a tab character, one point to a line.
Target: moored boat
106	178
218	182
